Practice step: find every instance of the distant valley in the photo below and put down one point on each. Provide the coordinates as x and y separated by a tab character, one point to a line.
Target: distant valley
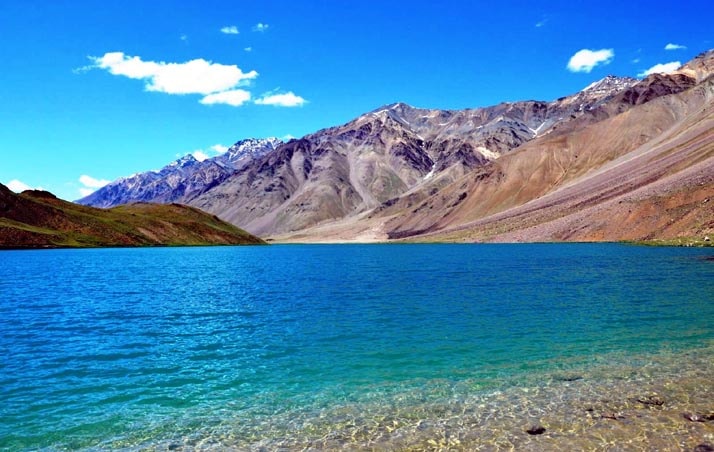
623	159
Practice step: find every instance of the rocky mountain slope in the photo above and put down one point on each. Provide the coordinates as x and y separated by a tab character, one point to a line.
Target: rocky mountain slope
383	155
645	174
638	167
181	180
37	219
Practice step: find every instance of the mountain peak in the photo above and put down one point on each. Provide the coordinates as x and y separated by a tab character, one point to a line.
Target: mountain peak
609	84
184	161
397	107
598	92
249	147
700	67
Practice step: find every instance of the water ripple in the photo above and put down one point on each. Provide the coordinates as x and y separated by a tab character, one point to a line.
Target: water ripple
327	347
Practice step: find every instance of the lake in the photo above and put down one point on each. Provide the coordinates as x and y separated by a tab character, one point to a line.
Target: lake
357	346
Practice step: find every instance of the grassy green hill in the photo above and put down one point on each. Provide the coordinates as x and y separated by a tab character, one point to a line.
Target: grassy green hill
38	219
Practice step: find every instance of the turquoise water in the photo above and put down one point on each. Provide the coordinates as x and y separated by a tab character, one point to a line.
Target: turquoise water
350	346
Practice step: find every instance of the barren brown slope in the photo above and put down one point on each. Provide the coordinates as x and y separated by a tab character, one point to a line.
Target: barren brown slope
567	151
384	155
660	190
546	164
37	219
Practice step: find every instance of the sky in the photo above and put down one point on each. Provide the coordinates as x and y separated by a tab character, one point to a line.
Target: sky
92	91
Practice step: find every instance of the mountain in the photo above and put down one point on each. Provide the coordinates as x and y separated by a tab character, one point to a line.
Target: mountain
636	165
645	173
37	219
639	153
515	171
383	155
181	180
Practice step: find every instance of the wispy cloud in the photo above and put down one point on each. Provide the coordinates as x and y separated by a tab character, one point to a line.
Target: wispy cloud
671	46
585	60
90	184
18	186
662	68
248	49
230	30
219	148
184	38
200	155
288	99
192	77
89	181
205	154
234	97
261	27
541	23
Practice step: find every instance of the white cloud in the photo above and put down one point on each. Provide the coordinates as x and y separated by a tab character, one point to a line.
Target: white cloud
234	97
635	61
662	68
288	99
89	181
671	46
585	60
90	184
18	186
219	148
205	154
230	30
218	83
200	155
192	77
248	49
261	27
184	38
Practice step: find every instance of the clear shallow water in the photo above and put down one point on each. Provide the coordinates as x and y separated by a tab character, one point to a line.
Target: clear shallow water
355	346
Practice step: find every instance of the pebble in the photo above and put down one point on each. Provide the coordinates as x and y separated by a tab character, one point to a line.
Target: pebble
651	400
696	417
536	430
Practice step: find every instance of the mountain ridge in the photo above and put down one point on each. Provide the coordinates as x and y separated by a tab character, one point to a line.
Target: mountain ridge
181	180
401	171
498	189
379	156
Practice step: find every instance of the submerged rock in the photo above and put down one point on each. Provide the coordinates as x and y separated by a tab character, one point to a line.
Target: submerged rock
569	377
536	430
696	417
651	400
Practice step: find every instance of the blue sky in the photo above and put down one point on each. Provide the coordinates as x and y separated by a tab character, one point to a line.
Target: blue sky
95	90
